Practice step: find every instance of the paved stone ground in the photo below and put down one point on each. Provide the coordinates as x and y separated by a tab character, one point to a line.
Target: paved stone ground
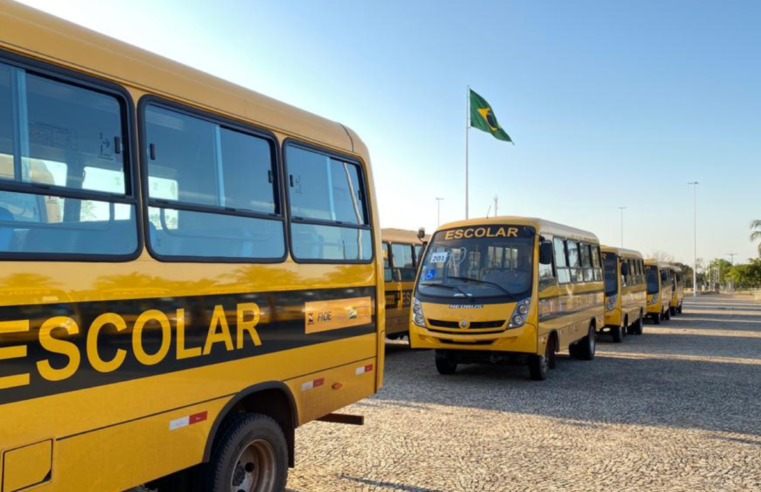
676	409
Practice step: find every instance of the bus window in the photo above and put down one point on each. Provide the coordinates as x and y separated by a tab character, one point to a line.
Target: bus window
652	279
546	274
387	277
324	190
586	262
403	261
610	263
574	261
418	254
561	262
596	263
71	146
210	189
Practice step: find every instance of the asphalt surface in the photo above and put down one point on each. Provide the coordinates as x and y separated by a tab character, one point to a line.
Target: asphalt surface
678	408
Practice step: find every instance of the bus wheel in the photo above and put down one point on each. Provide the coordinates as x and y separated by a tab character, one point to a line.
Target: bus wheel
539	365
672	311
617	332
680	309
251	456
637	327
445	365
657	318
588	345
667	314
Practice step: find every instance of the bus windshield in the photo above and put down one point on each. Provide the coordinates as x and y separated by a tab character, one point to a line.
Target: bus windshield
610	266
652	279
479	261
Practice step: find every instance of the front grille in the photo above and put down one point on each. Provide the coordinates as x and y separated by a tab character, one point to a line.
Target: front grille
475	325
481	342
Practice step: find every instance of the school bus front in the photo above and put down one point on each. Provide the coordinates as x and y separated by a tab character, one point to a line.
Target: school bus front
477	297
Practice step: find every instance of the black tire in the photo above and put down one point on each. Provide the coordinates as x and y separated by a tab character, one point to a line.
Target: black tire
667	314
539	365
657	318
672	311
445	365
638	326
617	333
679	309
588	345
251	455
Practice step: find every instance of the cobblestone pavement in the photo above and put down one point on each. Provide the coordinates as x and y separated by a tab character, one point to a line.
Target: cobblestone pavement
676	409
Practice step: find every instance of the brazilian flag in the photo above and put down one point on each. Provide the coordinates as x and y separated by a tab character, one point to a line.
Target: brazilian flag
483	118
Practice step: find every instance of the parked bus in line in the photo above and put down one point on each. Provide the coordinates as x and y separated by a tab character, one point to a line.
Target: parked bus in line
659	290
677	283
402	253
508	289
625	292
190	270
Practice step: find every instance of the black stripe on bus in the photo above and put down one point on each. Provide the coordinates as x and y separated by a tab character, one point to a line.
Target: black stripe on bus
281	327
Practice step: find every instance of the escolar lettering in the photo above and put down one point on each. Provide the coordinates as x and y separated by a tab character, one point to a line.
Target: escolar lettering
55	333
479	232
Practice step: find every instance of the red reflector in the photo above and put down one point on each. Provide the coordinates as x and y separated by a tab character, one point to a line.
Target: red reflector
319	382
198	417
368	368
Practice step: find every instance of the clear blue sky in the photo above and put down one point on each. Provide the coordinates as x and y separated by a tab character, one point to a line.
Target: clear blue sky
610	103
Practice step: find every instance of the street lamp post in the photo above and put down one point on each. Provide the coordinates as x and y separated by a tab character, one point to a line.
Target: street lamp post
622	225
694	185
438	211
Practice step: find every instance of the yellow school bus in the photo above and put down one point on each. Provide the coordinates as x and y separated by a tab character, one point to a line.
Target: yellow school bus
402	252
625	291
677	284
508	289
659	290
190	270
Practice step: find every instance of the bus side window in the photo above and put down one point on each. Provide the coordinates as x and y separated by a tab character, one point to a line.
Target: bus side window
574	261
403	263
209	192
597	263
418	255
386	263
329	216
561	261
586	262
546	272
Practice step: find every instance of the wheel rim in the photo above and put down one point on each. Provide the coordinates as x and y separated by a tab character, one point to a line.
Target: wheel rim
254	470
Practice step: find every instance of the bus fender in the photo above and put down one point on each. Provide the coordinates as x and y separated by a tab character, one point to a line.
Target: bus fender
239	399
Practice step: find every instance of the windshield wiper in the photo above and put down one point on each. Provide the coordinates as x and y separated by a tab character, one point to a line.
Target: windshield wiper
451	287
478	280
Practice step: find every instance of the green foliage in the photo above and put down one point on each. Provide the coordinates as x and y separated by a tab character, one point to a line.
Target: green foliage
755	234
719	269
746	275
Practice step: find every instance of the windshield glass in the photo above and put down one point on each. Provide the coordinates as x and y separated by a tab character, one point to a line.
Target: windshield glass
652	279
610	265
479	261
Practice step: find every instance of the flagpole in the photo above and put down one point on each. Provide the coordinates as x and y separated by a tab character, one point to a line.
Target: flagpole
467	127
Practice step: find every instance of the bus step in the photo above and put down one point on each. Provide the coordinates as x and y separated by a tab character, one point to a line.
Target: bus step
343	418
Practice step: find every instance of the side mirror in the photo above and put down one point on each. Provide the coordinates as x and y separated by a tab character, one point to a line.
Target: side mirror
545	253
421	233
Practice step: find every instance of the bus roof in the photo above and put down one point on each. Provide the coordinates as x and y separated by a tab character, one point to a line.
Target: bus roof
402	236
621	251
676	268
659	264
45	37
541	225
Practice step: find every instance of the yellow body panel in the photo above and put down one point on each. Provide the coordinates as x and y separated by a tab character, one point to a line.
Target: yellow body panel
399	292
565	309
677	296
665	292
113	434
27	466
631	301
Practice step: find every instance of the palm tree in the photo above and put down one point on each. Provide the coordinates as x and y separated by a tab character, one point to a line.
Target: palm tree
755	226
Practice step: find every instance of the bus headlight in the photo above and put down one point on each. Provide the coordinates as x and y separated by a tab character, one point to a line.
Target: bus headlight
417	313
520	313
610	305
